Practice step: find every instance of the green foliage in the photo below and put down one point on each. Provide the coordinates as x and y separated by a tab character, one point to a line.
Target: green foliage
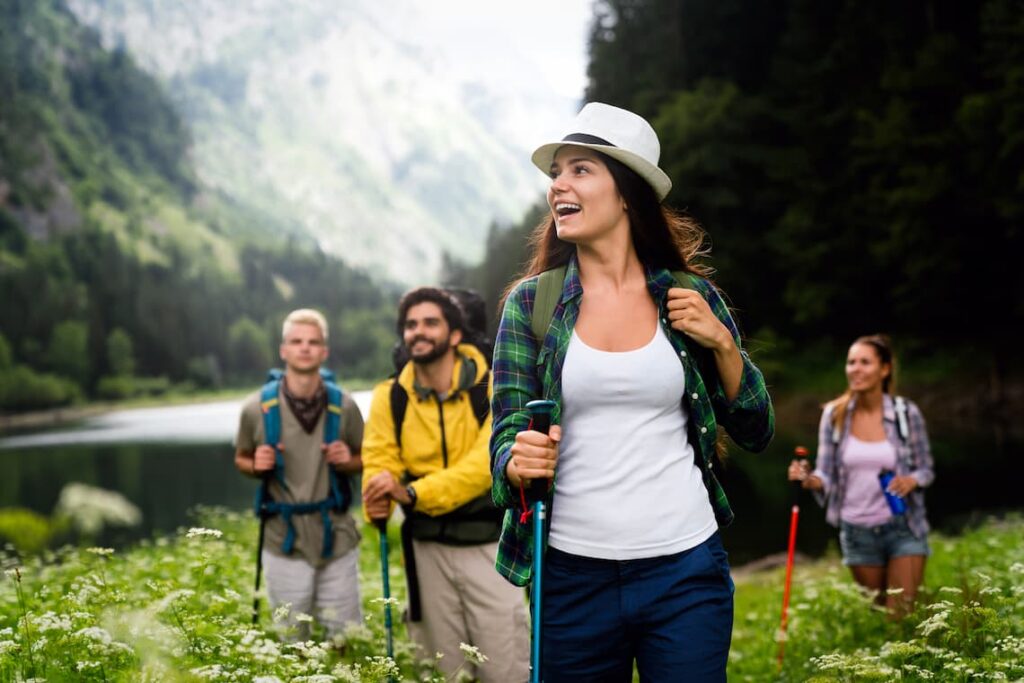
204	372
68	351
6	359
120	353
22	388
28	531
249	349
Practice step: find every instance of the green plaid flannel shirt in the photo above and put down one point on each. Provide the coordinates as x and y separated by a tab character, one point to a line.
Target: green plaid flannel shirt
524	370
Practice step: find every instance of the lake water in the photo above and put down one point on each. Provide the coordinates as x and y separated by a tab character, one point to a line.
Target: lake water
168	460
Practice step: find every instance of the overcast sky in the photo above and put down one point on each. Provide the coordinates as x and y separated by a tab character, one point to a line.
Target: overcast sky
490	39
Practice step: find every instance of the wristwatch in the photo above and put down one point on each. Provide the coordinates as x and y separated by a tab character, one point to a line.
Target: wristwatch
412	497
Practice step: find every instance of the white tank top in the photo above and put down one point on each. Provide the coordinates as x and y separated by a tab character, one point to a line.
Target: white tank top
628	486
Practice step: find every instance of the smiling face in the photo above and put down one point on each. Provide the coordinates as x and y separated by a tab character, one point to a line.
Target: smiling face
426	333
584	201
865	371
303	348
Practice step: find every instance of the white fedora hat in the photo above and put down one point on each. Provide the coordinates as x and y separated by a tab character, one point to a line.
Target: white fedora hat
620	134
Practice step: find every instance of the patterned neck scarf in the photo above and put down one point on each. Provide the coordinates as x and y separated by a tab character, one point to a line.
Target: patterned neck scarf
307	410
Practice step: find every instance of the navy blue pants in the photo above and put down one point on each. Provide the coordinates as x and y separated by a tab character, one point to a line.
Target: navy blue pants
672	615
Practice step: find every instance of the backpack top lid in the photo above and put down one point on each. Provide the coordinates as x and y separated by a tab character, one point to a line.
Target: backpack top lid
274	374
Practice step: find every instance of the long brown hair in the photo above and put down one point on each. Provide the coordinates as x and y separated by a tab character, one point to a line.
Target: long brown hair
662	236
882	345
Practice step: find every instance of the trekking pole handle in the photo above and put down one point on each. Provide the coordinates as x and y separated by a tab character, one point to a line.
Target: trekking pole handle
540	421
800	453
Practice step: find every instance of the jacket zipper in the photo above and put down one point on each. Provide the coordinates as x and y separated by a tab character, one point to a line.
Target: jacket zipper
444	440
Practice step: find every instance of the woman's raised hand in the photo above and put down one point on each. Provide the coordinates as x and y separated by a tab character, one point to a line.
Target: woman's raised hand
690	313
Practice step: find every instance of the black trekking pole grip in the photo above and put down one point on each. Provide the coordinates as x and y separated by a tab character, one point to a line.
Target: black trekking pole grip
540	421
796	487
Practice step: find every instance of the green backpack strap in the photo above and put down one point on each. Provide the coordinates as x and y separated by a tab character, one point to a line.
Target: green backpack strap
549	291
683	279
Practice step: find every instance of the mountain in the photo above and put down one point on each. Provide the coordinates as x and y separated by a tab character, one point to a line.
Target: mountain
340	121
119	270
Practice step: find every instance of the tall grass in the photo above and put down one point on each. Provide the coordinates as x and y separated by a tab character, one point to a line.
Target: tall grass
968	624
177	608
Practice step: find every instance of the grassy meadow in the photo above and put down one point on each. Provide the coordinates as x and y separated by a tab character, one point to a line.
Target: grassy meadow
178	607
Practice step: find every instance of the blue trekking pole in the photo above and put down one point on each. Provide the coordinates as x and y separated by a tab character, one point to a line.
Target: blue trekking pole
382	527
540	421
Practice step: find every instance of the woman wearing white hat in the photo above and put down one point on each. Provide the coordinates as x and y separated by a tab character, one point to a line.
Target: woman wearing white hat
643	362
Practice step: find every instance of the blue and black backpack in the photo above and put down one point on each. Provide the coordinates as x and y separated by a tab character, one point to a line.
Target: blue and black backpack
339	496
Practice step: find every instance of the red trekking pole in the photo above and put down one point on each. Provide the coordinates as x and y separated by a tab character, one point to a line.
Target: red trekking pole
801	454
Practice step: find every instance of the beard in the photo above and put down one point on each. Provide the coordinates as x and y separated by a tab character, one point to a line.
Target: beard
437	350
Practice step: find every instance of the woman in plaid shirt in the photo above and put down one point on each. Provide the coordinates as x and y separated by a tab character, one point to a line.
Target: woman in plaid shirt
644	363
863	432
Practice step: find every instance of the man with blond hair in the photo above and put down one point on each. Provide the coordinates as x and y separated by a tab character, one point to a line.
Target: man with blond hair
302	436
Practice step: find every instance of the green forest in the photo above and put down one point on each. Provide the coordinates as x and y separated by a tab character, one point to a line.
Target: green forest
858	167
120	274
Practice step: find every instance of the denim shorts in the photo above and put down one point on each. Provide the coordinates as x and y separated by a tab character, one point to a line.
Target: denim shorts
876	545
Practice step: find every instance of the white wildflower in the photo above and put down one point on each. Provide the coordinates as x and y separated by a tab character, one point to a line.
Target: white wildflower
100	551
385	601
200	532
1017	568
51	621
91	509
918	672
303	617
985	578
934	623
7	646
951	589
94	633
281	612
267	679
472	653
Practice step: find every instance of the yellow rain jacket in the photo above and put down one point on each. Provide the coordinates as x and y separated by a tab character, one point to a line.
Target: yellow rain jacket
444	451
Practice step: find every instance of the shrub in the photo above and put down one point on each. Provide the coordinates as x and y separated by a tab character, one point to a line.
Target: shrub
22	388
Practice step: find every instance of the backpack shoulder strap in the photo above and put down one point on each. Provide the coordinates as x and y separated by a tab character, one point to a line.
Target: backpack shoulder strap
478	398
332	421
683	279
399	402
549	290
270	406
902	425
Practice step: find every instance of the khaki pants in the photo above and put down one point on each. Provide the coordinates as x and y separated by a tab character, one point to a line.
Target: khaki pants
465	600
330	594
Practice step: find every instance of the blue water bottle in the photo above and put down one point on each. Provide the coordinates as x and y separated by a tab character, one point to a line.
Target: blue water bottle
896	503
